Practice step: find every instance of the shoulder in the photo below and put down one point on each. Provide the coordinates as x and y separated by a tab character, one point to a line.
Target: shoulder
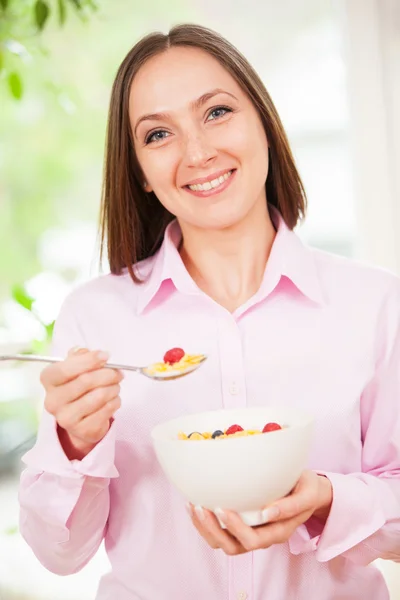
354	279
107	291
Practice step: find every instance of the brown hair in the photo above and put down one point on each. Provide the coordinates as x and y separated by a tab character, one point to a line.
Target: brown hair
133	222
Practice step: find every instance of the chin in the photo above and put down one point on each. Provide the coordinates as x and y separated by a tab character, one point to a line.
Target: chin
218	222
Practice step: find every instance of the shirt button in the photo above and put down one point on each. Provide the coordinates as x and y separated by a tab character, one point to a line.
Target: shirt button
234	389
241	596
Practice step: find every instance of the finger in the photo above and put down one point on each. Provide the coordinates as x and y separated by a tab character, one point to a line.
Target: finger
71	414
248	537
60	373
95	426
79	387
207	525
87	382
77	350
303	497
281	531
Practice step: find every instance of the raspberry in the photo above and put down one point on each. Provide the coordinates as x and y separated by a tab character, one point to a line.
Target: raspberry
233	429
271	427
174	355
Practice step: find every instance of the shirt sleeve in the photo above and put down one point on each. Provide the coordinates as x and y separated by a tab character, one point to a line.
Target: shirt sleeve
64	504
364	520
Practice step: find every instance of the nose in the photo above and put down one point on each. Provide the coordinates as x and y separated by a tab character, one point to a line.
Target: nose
198	150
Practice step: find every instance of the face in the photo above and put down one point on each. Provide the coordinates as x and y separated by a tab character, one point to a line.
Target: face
198	139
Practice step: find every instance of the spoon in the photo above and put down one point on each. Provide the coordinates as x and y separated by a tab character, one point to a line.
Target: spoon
163	376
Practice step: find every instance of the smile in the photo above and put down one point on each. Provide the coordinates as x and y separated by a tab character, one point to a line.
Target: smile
213	185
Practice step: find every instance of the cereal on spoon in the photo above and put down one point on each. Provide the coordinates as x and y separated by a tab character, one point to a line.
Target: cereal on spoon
175	359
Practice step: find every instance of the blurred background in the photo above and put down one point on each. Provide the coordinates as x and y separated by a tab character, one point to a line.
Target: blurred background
333	70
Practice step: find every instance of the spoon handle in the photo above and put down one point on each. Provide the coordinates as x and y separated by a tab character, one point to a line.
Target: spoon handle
54	359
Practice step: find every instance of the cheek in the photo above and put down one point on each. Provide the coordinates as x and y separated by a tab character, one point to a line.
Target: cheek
159	167
247	141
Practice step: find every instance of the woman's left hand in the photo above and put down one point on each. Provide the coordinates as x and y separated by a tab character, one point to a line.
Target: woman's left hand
312	495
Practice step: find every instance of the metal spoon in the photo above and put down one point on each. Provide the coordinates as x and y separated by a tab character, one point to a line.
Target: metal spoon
165	376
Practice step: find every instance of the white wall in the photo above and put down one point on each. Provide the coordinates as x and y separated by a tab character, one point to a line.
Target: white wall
372	31
372	43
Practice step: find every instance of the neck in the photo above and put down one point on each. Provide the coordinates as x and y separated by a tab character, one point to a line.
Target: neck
229	264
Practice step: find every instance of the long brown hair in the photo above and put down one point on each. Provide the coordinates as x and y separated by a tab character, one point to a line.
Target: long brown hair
133	222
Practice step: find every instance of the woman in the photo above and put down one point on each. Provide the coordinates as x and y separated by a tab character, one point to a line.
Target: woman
201	196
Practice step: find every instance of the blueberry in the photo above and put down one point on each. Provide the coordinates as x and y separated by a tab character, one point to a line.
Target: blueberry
217	434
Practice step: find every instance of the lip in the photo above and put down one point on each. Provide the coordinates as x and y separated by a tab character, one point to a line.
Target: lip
215	175
213	191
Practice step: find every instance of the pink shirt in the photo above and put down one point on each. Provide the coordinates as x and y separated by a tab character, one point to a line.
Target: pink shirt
322	333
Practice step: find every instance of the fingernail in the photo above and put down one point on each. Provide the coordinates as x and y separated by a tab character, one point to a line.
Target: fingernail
189	509
271	513
102	355
200	513
221	515
76	349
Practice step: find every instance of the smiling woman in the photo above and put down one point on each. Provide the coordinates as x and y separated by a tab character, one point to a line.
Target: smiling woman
187	110
201	195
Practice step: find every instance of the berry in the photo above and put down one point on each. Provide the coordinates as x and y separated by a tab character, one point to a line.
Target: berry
174	355
195	435
271	427
233	429
217	434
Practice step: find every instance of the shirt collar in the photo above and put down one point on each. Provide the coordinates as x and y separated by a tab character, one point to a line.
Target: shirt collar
289	258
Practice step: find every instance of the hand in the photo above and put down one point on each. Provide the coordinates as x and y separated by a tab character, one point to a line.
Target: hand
83	396
312	495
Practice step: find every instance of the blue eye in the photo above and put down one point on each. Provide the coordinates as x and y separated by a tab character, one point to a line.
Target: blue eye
218	112
156	136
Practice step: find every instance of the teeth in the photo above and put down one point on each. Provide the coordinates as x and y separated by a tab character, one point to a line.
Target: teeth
208	185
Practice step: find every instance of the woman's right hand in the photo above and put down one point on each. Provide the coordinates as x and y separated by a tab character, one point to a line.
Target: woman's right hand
83	396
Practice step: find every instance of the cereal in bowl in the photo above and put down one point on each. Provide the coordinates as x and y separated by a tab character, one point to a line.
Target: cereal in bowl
232	431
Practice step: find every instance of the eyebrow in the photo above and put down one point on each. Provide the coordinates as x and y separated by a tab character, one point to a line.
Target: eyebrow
196	104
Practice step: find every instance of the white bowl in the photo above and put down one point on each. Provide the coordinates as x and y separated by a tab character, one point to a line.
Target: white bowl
243	474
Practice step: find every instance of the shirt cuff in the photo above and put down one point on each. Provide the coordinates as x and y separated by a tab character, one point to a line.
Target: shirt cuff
302	540
354	516
48	455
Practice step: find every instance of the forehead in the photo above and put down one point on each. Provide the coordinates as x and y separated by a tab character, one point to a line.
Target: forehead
175	78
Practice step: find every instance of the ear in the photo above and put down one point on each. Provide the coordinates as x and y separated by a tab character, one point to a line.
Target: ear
147	187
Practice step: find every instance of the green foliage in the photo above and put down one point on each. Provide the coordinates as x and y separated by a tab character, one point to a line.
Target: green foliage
62	12
15	85
42	12
21	296
11	530
22	23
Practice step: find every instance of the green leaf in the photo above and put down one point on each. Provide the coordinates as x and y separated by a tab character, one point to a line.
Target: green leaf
12	530
62	12
1	60
21	296
39	346
77	4
49	330
42	12
4	4
15	85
